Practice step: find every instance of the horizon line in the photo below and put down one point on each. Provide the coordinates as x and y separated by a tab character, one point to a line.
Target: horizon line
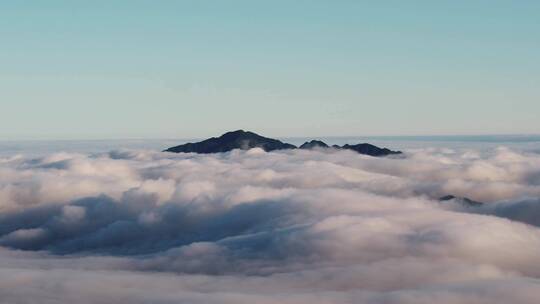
282	137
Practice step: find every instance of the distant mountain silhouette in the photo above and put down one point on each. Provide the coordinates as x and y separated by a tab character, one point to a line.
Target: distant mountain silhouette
369	149
313	144
462	200
245	140
366	149
232	140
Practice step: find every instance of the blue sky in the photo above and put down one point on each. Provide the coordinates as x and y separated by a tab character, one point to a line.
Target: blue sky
154	69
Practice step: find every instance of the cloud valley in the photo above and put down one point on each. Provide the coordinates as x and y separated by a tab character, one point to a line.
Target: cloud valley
134	226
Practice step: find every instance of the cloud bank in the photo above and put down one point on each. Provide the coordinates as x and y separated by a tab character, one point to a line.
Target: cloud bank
279	227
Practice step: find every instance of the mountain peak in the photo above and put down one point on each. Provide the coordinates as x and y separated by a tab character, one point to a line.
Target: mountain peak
313	144
229	141
246	140
236	133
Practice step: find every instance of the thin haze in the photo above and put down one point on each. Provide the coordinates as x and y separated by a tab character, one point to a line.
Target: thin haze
111	69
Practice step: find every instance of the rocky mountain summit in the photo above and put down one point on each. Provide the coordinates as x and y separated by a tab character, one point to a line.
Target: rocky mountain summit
229	141
246	140
313	144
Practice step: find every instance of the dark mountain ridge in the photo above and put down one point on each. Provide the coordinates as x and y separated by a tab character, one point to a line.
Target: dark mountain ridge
369	149
246	140
465	201
229	141
313	144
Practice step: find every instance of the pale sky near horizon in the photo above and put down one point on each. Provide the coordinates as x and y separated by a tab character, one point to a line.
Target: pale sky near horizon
156	69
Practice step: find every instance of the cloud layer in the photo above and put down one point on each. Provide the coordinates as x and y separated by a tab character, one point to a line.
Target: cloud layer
280	227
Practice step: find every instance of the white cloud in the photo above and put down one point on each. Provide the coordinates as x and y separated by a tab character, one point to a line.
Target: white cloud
280	227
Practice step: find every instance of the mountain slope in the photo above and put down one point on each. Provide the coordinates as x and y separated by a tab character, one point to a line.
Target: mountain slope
229	141
246	140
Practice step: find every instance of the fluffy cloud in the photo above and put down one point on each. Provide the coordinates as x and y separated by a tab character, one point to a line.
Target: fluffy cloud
280	227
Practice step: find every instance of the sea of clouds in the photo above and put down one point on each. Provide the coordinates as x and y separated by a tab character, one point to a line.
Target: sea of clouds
140	226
